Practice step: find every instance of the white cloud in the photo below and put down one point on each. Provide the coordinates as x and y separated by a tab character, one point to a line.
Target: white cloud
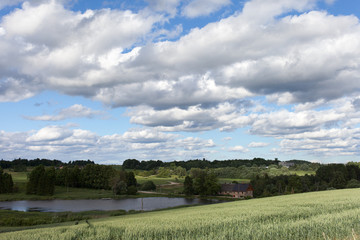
238	149
225	116
107	55
258	144
67	143
74	111
194	83
329	142
227	138
197	8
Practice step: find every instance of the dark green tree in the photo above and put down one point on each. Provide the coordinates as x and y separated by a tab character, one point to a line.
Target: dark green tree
119	187
338	181
131	183
35	180
211	184
148	186
41	181
188	186
6	182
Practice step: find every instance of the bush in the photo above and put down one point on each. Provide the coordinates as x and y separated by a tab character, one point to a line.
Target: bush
353	183
148	186
131	190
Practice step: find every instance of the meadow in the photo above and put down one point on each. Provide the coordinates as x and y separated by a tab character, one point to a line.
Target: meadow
317	215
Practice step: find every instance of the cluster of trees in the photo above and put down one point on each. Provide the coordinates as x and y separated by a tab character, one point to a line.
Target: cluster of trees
20	164
202	164
201	182
41	181
91	176
332	176
124	183
6	182
97	177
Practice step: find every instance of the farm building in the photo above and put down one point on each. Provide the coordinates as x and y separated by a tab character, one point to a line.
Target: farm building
237	190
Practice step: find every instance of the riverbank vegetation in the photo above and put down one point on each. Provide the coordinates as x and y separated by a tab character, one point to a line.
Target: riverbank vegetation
317	215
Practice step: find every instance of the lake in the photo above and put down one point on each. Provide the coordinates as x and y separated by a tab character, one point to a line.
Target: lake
146	204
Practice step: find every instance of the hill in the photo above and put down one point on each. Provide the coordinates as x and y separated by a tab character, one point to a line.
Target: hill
318	215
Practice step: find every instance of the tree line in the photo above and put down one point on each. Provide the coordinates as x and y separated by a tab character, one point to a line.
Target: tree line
20	163
331	176
202	164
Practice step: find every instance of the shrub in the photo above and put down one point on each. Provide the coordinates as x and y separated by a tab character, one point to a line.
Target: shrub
148	186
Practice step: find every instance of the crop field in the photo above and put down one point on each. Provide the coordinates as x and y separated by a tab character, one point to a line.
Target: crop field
318	215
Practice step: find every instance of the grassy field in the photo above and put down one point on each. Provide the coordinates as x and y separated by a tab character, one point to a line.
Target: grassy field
302	173
230	180
318	215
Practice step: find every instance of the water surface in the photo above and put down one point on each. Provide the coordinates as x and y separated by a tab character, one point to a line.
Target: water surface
145	204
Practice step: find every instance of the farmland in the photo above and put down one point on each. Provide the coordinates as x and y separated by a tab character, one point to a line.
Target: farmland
318	215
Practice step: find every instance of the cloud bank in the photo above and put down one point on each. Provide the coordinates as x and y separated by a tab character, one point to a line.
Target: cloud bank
279	68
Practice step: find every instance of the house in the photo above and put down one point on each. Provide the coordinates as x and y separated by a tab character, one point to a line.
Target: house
287	164
237	190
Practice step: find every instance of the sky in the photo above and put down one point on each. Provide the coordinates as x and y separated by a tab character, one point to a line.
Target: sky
109	80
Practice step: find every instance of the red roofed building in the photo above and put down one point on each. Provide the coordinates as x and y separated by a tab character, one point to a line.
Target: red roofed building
237	190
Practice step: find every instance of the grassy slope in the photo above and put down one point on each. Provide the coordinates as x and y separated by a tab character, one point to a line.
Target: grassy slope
300	216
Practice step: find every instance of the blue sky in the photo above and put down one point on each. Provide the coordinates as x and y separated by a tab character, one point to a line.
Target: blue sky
178	80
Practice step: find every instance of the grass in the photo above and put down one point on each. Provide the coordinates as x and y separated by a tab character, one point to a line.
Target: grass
302	173
230	180
330	214
159	181
10	219
18	177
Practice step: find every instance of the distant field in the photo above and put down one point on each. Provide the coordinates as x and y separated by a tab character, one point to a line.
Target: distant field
159	181
230	180
318	215
302	173
18	176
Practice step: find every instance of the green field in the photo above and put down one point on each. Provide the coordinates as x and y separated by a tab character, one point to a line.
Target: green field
318	215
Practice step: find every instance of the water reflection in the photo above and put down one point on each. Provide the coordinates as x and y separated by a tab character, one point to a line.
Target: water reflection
145	204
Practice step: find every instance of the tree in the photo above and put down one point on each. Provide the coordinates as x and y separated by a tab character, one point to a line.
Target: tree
119	187
41	181
353	183
6	182
35	180
338	181
188	186
131	164
148	186
211	184
131	183
163	172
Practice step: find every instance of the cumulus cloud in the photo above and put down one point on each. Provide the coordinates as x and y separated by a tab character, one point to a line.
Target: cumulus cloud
194	118
238	149
106	55
69	143
74	111
258	144
325	142
194	83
